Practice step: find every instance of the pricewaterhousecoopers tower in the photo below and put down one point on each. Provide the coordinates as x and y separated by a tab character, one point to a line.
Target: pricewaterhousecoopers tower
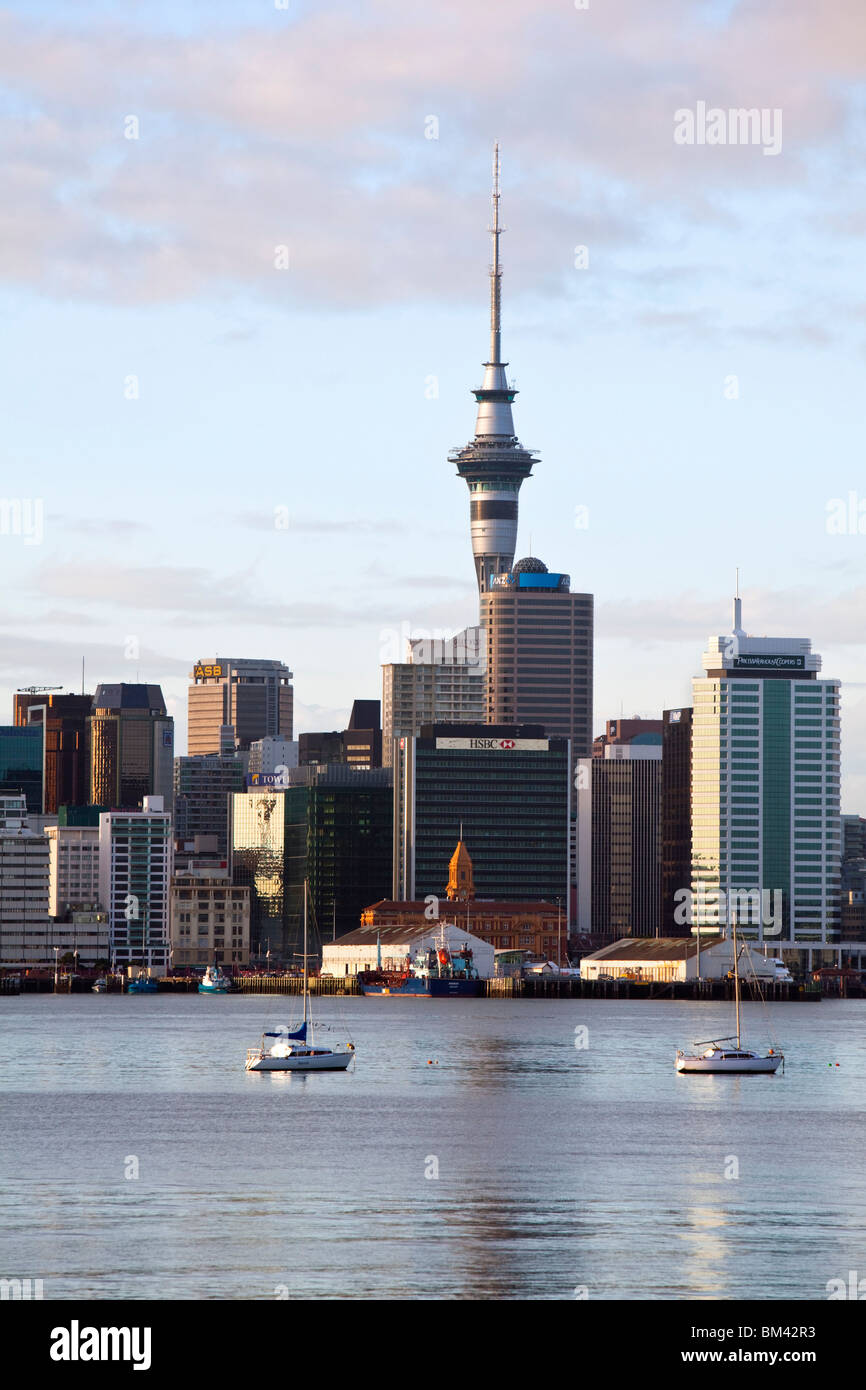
495	463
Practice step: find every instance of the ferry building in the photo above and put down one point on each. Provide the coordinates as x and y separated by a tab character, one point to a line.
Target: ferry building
765	794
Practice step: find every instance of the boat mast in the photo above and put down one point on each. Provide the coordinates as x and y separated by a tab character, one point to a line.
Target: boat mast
305	949
736	976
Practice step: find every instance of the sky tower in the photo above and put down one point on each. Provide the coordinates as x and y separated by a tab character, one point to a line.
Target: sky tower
495	463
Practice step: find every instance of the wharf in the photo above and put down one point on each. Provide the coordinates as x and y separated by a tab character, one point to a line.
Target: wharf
551	987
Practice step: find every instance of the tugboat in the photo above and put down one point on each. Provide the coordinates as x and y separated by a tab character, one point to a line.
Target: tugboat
436	973
214	981
142	984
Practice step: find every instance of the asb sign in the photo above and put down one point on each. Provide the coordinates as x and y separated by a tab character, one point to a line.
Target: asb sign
200	671
496	745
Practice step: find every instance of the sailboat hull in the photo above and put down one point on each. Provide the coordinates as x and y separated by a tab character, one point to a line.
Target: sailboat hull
319	1061
726	1065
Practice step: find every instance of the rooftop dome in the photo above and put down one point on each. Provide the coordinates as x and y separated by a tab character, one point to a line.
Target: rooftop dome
530	566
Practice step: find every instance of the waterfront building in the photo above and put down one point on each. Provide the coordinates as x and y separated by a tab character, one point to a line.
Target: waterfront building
442	681
135	867
64	720
21	763
131	746
331	826
495	463
210	919
253	698
73	868
676	816
391	943
660	960
619	833
203	786
539	653
538	928
765	793
508	786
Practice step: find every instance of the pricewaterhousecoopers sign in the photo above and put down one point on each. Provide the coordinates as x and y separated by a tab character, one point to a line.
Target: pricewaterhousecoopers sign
786	663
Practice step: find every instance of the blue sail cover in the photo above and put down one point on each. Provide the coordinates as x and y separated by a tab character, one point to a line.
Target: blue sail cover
300	1036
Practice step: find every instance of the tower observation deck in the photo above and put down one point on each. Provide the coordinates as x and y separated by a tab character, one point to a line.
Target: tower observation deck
495	463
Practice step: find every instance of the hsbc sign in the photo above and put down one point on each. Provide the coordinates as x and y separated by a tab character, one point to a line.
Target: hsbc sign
496	745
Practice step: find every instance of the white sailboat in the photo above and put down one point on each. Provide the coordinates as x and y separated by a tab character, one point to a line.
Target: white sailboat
296	1050
721	1058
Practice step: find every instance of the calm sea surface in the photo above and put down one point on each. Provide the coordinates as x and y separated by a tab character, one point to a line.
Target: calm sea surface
558	1168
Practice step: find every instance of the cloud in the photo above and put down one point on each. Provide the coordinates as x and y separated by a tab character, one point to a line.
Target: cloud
310	133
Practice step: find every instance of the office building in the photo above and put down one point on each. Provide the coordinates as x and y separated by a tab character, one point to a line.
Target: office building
135	867
765	793
64	719
268	755
24	873
73	868
360	745
331	826
619	836
210	920
442	681
203	786
253	698
21	764
495	463
676	817
539	653
131	746
508	786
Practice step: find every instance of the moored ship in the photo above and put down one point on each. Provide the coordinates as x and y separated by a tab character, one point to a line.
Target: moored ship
436	973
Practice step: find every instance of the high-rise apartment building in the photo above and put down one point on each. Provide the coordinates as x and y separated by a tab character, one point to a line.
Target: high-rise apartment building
255	698
495	463
766	821
135	866
131	746
619	836
539	653
508	787
442	681
64	719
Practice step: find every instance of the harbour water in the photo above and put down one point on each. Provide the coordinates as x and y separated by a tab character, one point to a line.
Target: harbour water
472	1151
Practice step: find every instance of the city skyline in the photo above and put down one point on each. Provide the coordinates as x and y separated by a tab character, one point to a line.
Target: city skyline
688	380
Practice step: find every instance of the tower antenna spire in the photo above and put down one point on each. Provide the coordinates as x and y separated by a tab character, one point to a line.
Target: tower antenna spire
496	269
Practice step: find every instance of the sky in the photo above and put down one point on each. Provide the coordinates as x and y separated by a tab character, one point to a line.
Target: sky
244	299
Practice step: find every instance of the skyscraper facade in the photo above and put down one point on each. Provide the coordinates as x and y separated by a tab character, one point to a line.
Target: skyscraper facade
676	816
539	653
135	865
619	838
508	786
254	697
131	746
21	763
495	463
203	787
64	718
765	792
441	682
